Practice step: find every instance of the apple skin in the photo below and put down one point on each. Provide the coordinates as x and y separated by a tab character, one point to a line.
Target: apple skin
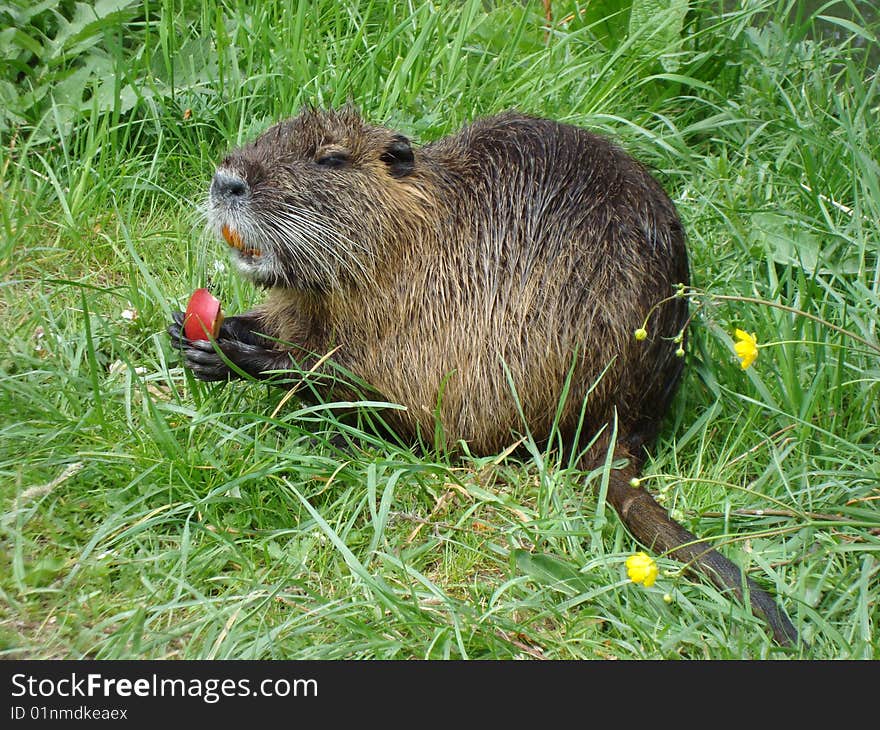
203	316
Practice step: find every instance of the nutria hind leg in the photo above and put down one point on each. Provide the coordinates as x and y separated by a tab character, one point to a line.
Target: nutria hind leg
652	526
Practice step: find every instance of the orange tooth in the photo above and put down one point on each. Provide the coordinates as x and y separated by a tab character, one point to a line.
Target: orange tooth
233	238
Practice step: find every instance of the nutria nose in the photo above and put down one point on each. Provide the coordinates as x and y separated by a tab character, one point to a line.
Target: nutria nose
228	187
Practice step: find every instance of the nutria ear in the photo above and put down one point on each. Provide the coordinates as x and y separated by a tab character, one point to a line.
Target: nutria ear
398	156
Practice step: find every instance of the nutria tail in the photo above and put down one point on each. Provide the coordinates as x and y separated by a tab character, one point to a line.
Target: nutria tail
652	526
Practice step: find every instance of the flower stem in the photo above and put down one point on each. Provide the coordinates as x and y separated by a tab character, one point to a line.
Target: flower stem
793	310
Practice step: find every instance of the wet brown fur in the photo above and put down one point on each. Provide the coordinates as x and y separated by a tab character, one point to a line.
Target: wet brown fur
514	256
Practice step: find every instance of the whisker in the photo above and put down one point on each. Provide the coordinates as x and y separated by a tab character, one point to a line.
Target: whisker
292	243
320	238
311	215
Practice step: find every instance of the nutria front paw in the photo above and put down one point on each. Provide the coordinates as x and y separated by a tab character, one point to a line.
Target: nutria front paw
204	358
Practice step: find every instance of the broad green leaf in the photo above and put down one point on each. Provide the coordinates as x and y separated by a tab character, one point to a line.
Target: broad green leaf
658	25
787	243
551	571
608	20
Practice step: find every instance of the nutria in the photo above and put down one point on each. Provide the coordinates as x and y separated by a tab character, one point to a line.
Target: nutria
473	280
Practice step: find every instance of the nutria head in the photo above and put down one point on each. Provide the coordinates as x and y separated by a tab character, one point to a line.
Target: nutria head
316	200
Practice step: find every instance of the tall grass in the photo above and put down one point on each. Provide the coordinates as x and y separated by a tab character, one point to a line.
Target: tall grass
145	514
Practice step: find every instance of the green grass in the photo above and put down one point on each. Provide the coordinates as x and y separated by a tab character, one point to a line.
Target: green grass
146	515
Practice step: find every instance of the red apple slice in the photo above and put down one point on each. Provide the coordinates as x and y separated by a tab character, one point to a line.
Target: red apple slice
203	316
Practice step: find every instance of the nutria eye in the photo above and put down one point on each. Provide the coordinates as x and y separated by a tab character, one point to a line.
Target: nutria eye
333	159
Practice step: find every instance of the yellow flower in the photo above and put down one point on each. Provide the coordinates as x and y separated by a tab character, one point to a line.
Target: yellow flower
640	334
641	568
746	347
